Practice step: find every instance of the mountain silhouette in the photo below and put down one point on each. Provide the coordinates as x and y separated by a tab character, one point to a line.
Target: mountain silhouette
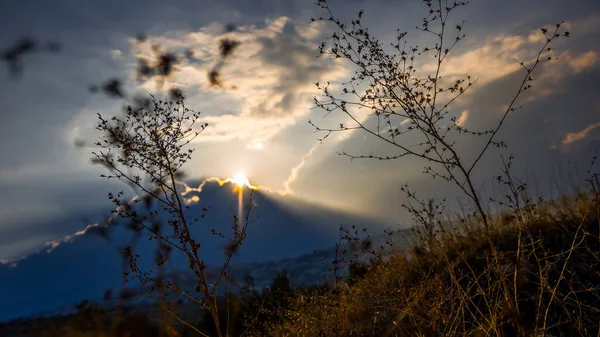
85	266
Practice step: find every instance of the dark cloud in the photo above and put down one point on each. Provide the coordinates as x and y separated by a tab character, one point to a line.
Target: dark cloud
295	59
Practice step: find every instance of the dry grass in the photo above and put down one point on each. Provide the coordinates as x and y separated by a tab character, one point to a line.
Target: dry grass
536	274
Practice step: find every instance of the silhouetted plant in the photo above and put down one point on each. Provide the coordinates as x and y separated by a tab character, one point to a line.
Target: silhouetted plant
146	149
14	55
162	64
407	101
473	275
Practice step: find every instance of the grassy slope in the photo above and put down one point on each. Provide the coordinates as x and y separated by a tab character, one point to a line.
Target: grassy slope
535	276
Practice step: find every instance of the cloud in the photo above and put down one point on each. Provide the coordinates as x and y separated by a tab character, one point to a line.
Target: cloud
116	53
267	81
52	245
570	63
256	131
584	61
296	169
574	137
462	119
498	56
10	263
495	58
491	59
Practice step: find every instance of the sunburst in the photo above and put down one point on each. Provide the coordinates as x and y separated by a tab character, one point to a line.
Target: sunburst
241	180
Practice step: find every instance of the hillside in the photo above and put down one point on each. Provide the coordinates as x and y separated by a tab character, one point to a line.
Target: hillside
529	276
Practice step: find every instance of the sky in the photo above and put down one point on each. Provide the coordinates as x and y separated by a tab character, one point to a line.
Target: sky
258	120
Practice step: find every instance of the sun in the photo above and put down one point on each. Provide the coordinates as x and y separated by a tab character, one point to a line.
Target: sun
241	180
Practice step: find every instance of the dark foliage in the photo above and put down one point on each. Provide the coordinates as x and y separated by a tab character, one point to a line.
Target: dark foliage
15	54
